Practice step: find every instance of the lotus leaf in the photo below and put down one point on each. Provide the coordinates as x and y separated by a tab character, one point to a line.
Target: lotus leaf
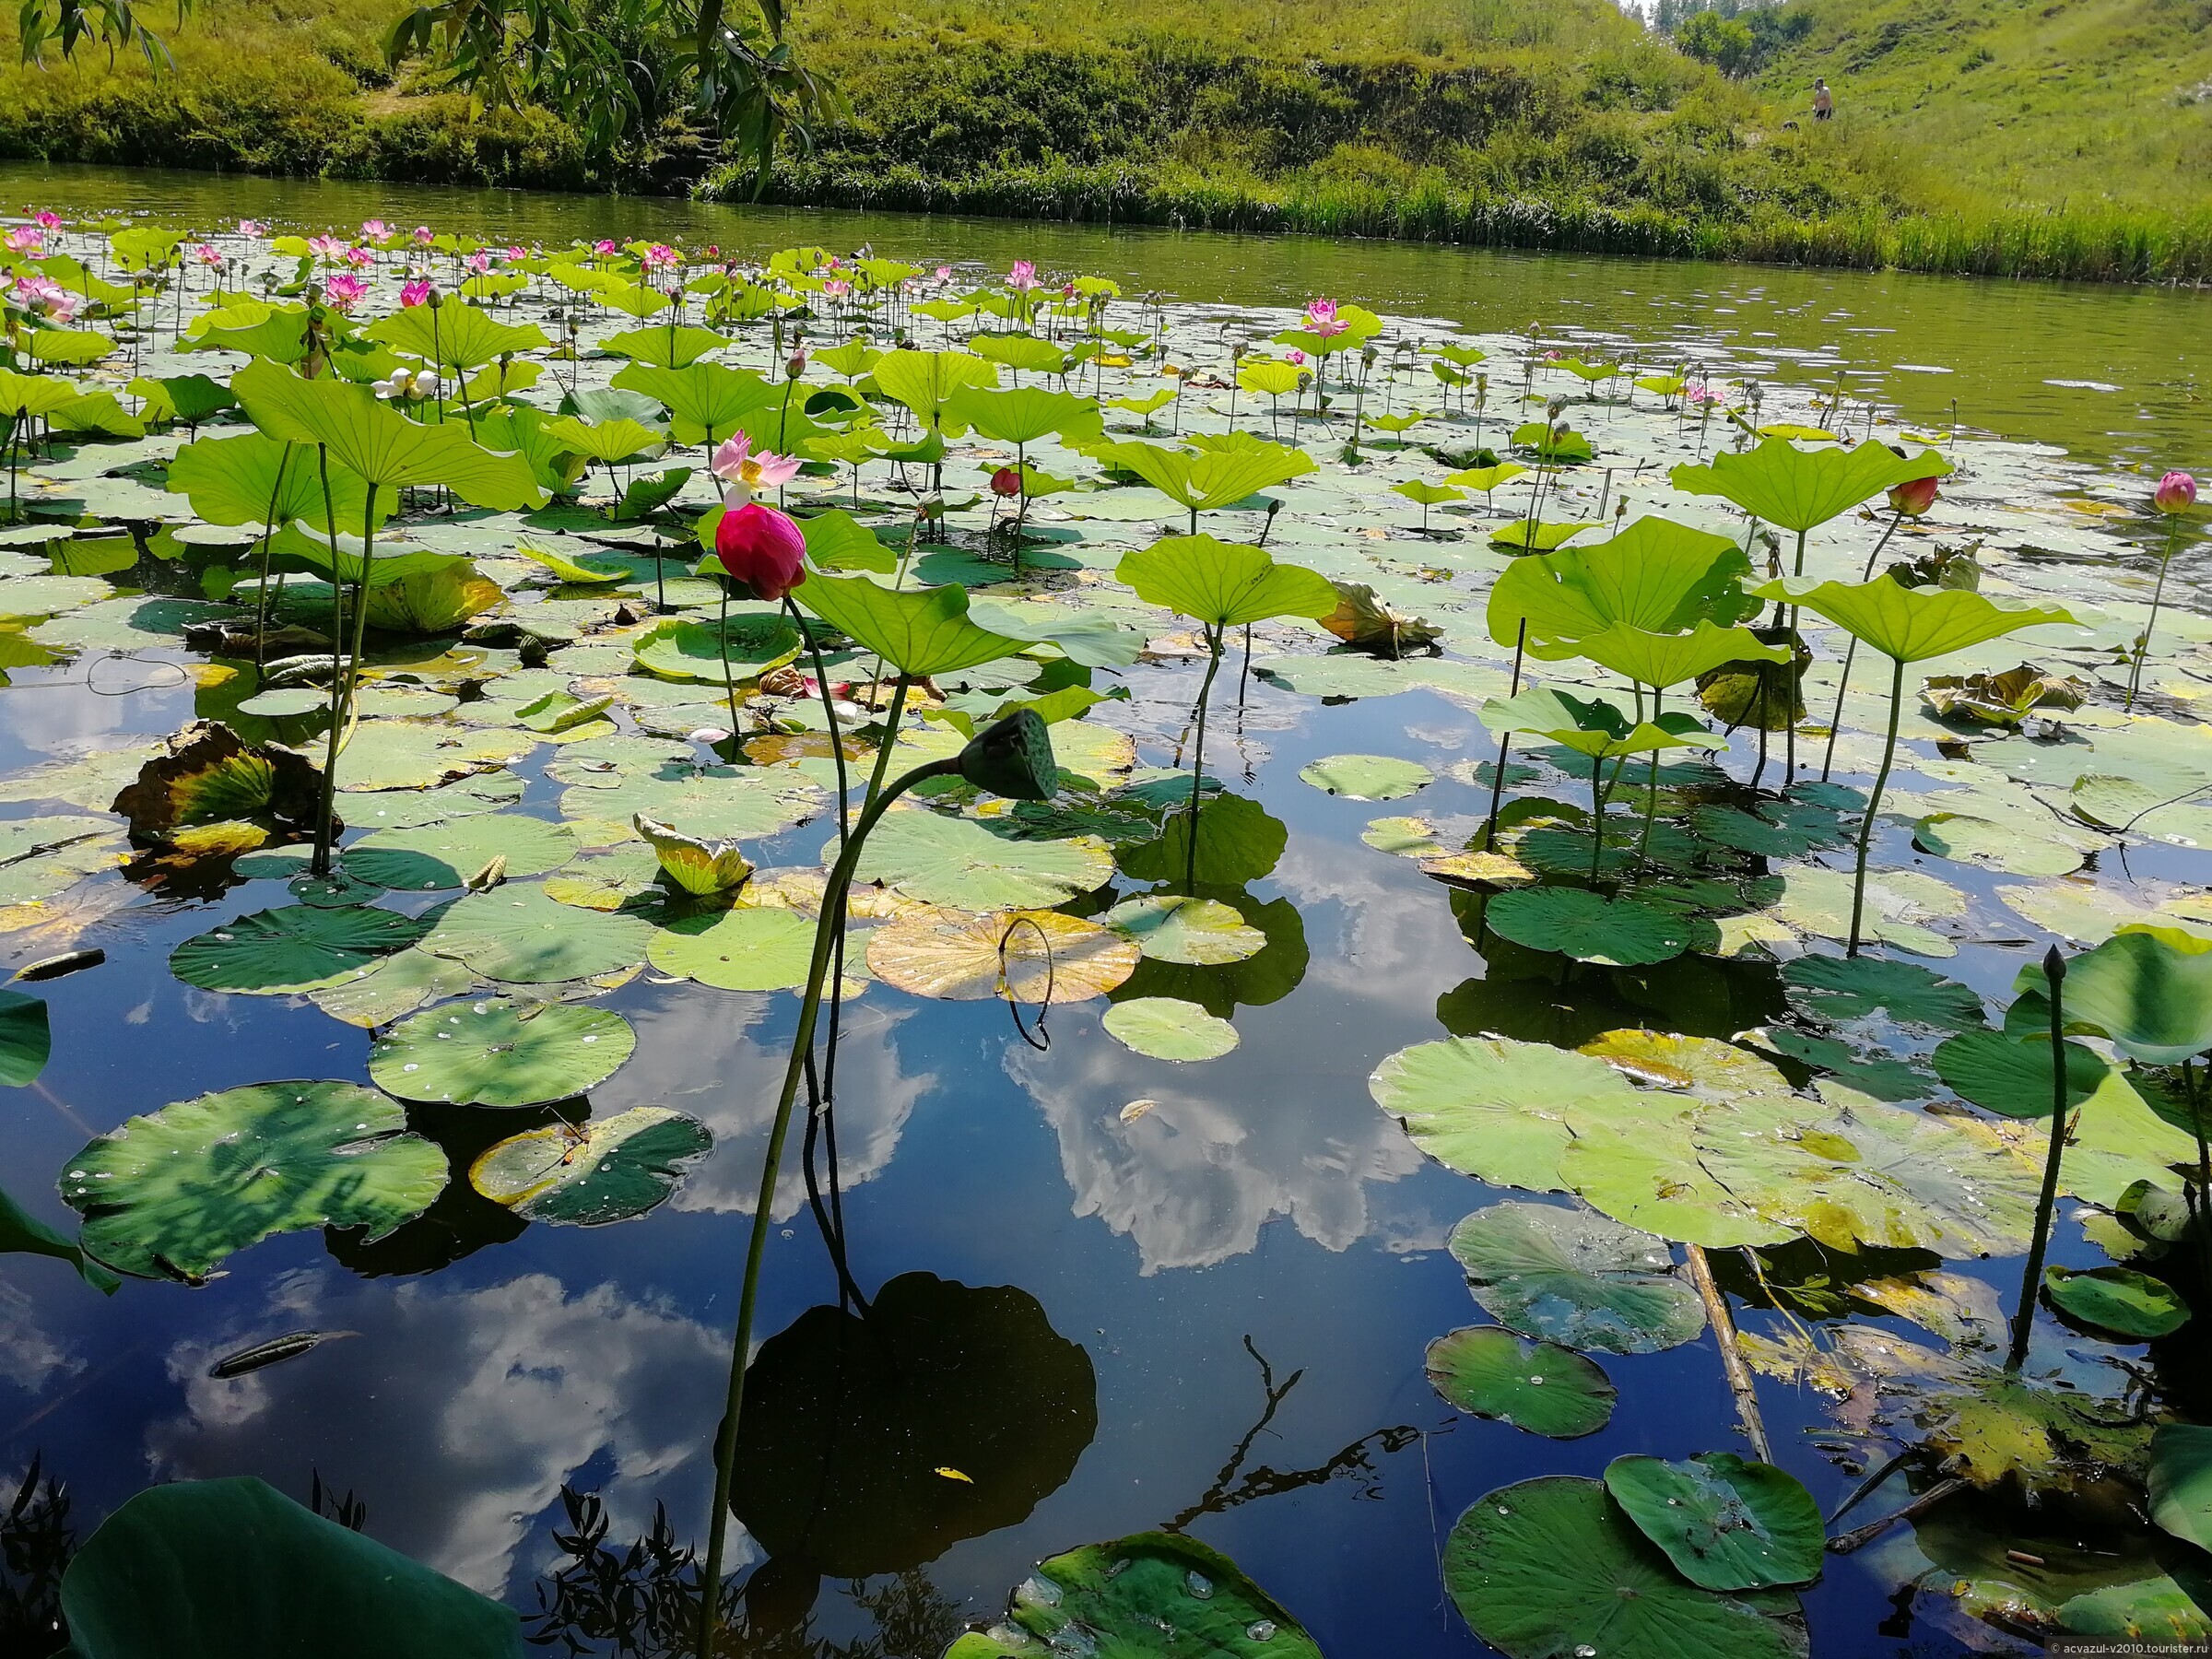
1165	1028
1539	1386
1576	1278
520	936
2129	1304
958	862
299	947
176	1192
1724	1521
595	1173
739	949
495	1052
1032	955
1802	489
1173	927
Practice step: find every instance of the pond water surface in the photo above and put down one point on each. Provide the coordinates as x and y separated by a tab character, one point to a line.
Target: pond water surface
1260	1220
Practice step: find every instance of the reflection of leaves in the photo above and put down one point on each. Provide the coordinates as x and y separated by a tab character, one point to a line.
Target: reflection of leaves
1239	841
1267	976
848	1421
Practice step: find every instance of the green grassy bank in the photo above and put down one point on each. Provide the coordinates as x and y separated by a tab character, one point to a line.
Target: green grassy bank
1505	122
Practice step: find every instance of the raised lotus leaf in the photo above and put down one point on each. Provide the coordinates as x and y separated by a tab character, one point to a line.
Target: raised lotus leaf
2002	700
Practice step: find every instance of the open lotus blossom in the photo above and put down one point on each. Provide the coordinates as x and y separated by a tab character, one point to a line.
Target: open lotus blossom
1005	483
2176	493
415	291
742	471
325	247
943	273
1296	356
660	256
837	288
761	547
207	254
48	297
1702	394
26	239
423	237
1321	319
1913	497
1023	276
360	259
46	218
253	227
604	248
398	384
477	264
344	291
517	252
375	230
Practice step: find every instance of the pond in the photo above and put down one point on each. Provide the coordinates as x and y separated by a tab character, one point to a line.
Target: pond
1162	1152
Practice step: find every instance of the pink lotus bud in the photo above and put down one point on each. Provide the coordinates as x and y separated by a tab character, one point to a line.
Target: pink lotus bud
763	548
1913	497
1005	483
2176	493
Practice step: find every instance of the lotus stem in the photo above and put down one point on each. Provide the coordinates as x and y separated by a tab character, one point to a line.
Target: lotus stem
890	736
1213	666
341	697
1874	805
827	930
2135	678
268	530
2031	1277
1835	721
729	675
1732	1358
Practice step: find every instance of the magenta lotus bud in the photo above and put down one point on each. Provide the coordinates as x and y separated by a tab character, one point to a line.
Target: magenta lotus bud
2176	493
763	548
1913	497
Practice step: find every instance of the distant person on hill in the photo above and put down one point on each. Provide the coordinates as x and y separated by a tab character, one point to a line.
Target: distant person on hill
1824	102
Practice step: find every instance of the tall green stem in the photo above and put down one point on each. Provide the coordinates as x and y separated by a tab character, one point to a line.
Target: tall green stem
1873	803
1213	666
729	675
1851	653
890	736
827	930
341	699
268	530
2023	1316
2135	677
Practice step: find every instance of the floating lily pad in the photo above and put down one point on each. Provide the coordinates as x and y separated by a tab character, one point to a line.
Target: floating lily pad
174	1193
520	936
2181	1481
380	992
1621	933
1846	988
450	854
1550	1568
711	803
2119	1299
1576	1278
299	947
747	948
957	862
1238	841
1539	1387
1025	955
1494	1108
41	856
1118	1598
415	754
1724	1521
496	1053
1368	777
614	1171
1165	1028
1174	927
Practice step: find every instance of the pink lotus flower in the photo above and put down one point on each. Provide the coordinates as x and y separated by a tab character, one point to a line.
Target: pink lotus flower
762	549
1005	483
837	288
325	247
46	218
1023	276
660	257
415	291
1698	393
27	238
48	297
423	237
1321	319
477	264
943	273
1913	497
517	252
604	250
2176	493
375	230
207	254
360	259
1296	356
253	227
343	292
742	471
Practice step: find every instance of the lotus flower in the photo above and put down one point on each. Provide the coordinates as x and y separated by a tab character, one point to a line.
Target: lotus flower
943	273
742	471
375	230
47	219
837	289
1005	483
477	264
604	248
398	384
660	257
325	247
415	291
795	364
1023	276
1295	356
344	291
1321	319
360	259
46	296
2176	493
423	238
27	238
1913	497
207	254
253	227
761	547
517	252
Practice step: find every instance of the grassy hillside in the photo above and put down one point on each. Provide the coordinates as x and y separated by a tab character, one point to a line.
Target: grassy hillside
2020	101
1529	123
